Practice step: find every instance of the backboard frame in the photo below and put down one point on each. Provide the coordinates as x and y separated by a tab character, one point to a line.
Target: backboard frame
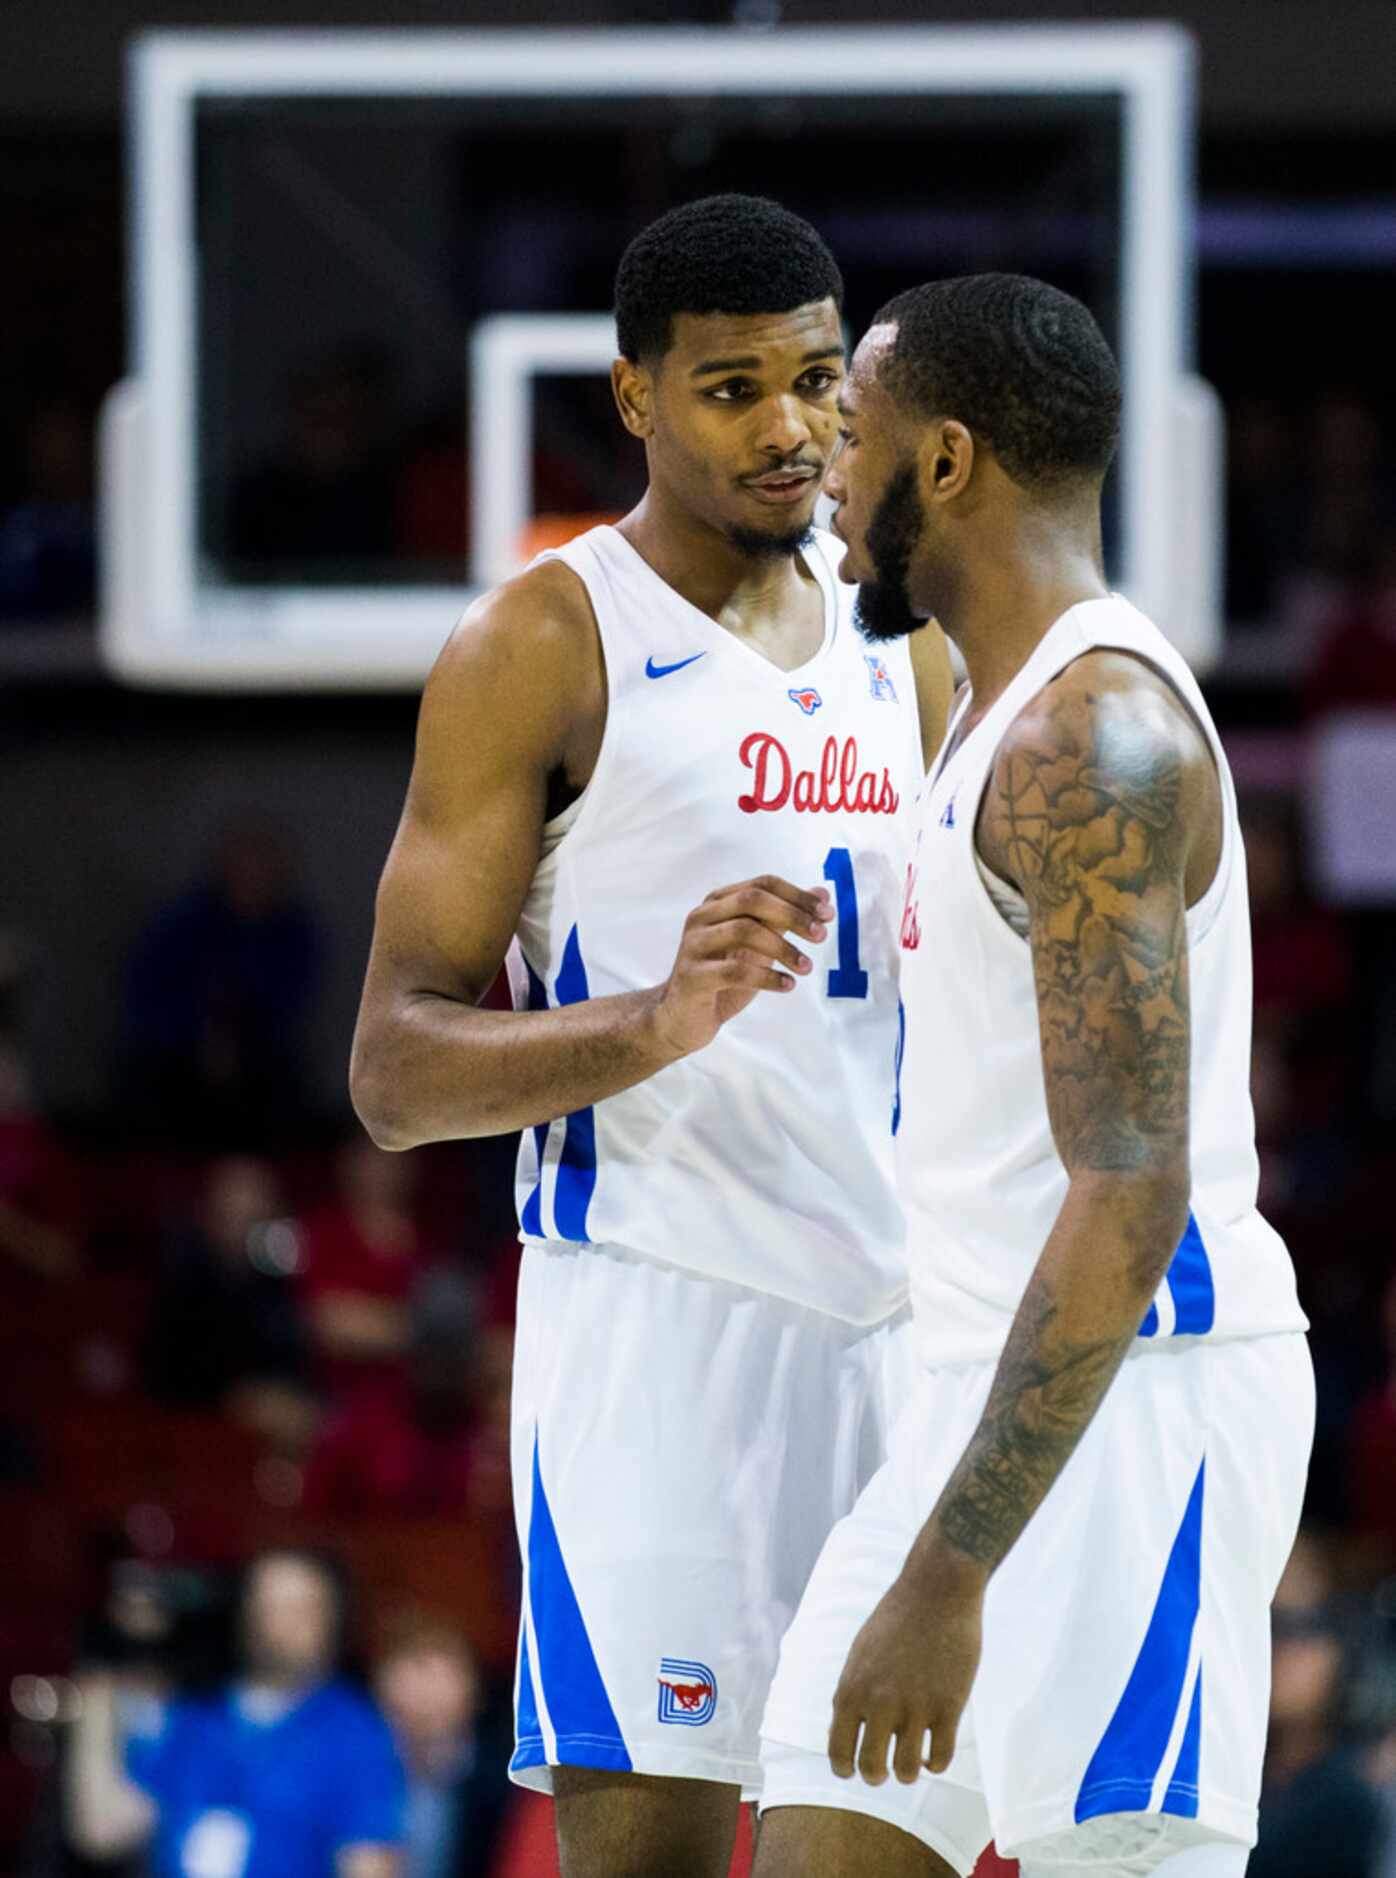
163	623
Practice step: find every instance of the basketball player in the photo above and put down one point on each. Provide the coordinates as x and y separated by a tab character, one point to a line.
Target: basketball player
1050	1608
666	761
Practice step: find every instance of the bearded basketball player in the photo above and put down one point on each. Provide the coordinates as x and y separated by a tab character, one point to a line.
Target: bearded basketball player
1050	1610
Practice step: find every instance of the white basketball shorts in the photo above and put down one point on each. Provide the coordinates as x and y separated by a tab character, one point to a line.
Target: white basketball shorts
1126	1648
681	1449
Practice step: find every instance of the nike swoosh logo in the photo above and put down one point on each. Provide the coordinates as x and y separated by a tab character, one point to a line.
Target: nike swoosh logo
662	671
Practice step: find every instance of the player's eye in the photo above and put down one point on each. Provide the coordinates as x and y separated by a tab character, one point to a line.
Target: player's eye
846	437
820	381
730	391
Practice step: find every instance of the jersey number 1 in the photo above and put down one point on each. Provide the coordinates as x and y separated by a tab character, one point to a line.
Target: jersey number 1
847	979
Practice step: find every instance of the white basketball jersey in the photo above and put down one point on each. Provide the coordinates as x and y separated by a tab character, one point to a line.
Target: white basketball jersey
765	1159
979	1174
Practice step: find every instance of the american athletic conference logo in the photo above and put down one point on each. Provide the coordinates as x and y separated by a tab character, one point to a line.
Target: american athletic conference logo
879	678
687	1692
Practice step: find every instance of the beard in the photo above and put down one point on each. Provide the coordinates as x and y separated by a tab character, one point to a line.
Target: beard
882	610
759	546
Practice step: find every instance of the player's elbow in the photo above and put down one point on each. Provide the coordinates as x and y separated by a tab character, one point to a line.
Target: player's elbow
376	1094
1152	1202
385	1131
1167	1206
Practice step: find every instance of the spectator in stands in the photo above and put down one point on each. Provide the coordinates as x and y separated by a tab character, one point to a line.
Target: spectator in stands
1303	975
363	1254
1380	1767
288	1773
218	993
133	1634
1372	1453
411	1446
47	546
1354	667
1264	509
225	1329
1317	1812
323	505
1303	958
1350	495
455	1742
36	1176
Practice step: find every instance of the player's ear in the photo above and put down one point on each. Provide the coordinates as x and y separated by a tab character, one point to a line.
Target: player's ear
945	461
632	387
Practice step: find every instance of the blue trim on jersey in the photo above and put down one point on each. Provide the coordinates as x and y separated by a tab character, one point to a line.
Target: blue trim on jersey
579	1708
1182	1794
531	1218
528	1733
1189	1280
576	1172
1121	1775
897	1067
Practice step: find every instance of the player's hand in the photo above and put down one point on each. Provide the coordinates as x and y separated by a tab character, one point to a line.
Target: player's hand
735	945
908	1675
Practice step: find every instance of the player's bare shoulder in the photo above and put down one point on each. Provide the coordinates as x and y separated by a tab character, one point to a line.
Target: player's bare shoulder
522	675
1107	761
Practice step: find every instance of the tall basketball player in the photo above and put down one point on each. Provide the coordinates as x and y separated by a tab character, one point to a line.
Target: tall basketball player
1051	1605
666	762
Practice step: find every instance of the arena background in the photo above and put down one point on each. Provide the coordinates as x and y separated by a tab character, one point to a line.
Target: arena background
162	1120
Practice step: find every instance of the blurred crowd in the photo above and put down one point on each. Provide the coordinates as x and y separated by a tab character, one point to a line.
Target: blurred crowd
234	1331
393	1766
357	489
254	1374
354	488
1311	545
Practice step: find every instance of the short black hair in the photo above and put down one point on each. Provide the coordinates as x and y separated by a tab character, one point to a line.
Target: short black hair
721	254
1021	364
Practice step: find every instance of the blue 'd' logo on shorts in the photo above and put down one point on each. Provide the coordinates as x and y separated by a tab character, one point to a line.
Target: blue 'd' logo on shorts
687	1692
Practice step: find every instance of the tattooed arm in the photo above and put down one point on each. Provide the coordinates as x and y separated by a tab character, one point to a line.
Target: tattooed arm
1102	810
1087	814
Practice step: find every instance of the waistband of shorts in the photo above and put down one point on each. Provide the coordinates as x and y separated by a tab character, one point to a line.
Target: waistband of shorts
891	1316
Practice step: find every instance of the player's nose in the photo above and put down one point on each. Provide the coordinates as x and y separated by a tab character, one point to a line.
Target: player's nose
785	427
834	486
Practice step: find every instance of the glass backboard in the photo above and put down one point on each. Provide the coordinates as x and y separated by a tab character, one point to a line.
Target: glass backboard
372	275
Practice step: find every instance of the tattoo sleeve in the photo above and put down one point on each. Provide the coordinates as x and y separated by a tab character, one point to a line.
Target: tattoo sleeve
1084	812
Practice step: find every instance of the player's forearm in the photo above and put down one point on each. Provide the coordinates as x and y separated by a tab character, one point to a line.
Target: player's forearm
434	1069
1082	1309
106	1815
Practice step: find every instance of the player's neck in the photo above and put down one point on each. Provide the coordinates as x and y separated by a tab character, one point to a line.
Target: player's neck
702	565
1010	599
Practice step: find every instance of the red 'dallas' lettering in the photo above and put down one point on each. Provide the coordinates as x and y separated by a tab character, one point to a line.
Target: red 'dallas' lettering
911	914
838	787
